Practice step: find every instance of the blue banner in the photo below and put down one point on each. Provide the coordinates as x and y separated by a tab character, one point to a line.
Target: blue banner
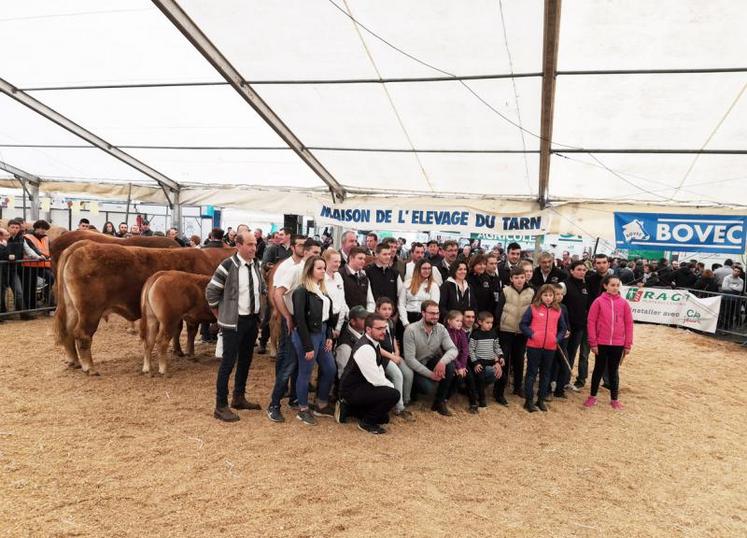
691	233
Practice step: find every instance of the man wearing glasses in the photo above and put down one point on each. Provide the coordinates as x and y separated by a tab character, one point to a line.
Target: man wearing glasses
365	391
430	353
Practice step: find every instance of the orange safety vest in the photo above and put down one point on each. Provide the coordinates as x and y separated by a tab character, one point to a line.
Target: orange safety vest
43	247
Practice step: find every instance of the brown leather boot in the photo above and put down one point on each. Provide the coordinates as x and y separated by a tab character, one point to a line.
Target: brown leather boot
225	414
239	401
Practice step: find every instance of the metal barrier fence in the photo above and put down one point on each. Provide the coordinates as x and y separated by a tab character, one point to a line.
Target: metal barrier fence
24	289
732	318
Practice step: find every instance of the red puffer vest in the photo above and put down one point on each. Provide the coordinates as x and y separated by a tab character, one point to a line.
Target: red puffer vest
544	327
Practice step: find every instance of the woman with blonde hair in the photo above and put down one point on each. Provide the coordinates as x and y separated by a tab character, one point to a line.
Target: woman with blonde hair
335	288
312	338
421	287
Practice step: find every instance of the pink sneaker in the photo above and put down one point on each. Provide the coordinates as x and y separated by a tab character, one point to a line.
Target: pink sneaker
616	404
591	401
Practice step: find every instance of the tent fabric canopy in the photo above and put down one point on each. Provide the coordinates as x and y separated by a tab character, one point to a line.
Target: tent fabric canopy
451	120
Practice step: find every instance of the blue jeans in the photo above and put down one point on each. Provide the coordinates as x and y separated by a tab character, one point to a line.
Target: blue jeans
327	368
286	367
538	360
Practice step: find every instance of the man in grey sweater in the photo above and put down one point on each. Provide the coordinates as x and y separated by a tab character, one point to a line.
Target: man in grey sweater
430	353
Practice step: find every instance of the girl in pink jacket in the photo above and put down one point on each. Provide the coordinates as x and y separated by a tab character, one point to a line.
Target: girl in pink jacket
610	333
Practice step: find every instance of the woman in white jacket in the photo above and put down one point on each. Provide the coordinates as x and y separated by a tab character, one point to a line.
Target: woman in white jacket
421	287
335	288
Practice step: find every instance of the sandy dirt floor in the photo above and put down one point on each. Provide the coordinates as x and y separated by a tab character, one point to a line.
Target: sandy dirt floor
129	455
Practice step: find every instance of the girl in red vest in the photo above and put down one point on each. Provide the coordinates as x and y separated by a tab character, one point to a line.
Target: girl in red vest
544	327
610	330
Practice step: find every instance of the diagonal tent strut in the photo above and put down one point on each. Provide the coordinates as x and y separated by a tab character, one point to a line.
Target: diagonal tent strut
202	43
551	36
168	185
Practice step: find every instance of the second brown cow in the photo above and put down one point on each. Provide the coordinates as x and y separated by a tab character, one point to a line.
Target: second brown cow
168	298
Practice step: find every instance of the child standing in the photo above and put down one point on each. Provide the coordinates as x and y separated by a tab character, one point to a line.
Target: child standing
454	324
559	374
544	327
484	353
610	329
514	301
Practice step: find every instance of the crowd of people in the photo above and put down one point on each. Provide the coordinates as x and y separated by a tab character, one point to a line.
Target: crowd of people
388	323
387	328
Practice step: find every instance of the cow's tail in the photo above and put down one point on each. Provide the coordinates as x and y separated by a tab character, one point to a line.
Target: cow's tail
61	313
145	308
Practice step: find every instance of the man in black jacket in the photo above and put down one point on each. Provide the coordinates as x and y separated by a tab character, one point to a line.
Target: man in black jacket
384	279
513	259
576	300
547	272
364	389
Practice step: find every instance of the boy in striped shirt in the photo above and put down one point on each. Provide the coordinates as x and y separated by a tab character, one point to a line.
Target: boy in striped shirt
484	352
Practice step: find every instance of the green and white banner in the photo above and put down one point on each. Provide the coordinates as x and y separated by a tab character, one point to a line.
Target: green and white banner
673	307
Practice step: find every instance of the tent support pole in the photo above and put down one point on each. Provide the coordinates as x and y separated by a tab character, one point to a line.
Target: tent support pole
551	36
33	192
127	210
176	213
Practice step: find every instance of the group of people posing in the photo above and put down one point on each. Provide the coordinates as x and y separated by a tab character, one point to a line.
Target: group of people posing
385	331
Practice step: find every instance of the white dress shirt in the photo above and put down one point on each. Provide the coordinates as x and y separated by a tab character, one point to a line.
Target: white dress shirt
336	292
244	286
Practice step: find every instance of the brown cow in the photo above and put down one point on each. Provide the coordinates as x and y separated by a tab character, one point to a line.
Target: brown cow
58	246
96	279
168	298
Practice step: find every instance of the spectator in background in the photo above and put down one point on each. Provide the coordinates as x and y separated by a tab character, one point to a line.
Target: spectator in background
547	272
707	282
84	224
4	268
349	240
108	228
417	252
625	273
194	241
215	239
145	228
229	239
433	255
371	241
684	277
173	233
261	245
451	251
122	231
722	272
278	251
513	259
134	230
733	283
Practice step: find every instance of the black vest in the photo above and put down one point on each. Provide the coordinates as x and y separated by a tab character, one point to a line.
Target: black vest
383	282
347	338
352	378
356	290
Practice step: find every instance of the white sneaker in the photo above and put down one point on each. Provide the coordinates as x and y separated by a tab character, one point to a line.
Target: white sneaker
574	388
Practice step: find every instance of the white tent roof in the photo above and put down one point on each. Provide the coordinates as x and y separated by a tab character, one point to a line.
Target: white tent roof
417	97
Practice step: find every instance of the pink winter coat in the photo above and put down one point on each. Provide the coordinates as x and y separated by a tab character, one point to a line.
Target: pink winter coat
610	322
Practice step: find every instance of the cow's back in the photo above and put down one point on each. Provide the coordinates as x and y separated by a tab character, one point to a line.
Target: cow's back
57	246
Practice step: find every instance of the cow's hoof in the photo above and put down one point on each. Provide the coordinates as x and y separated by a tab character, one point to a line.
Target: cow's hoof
93	373
179	354
165	375
72	365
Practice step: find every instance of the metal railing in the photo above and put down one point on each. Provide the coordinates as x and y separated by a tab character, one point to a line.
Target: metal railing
25	290
732	317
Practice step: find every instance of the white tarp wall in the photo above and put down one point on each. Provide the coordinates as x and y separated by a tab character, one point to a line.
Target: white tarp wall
122	70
